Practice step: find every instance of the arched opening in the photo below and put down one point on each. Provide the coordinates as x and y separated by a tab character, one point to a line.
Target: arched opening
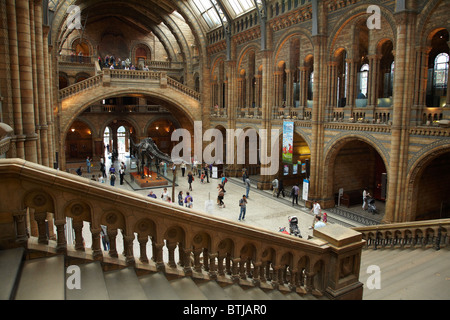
386	78
355	165
79	142
161	131
431	188
342	79
438	60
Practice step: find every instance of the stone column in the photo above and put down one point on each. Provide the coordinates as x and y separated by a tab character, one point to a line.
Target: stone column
79	242
258	91
26	78
112	234
15	78
40	66
42	229
289	88
143	249
129	253
96	247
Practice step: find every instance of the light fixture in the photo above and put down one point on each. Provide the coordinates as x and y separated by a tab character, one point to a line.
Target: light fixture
73	130
157	128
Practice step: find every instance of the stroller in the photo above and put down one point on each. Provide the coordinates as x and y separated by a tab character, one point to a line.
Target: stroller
371	208
293	227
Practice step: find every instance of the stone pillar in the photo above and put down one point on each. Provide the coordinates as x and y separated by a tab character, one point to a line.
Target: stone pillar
112	234
344	266
42	229
129	255
258	91
79	242
289	88
26	78
48	98
15	78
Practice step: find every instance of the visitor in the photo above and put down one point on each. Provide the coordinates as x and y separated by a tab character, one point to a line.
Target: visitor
223	181
151	195
280	188
79	171
88	165
189	203
112	178
105	238
318	223
183	168
316	210
190	180
220	196
180	198
274	186
243	206
188	197
294	192
247	187
164	194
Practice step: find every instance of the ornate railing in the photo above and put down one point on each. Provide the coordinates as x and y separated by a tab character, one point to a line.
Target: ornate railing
207	247
419	234
111	75
81	86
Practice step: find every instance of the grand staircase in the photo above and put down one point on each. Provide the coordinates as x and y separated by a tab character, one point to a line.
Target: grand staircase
48	278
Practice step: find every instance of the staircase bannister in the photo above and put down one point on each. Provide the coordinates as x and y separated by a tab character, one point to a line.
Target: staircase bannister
416	234
319	266
81	86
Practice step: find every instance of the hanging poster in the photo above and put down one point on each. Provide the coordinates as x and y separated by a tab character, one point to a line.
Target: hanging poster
294	169
288	141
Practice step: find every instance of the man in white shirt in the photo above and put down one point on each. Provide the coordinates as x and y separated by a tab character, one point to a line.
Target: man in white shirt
319	223
165	195
317	211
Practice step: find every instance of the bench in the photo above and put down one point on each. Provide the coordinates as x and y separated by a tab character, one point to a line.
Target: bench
350	198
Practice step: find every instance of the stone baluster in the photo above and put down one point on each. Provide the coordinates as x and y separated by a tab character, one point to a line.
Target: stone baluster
257	274
235	270
293	279
96	246
112	235
78	228
143	249
158	256
220	265
212	266
262	272
128	249
228	264
275	276
242	274
197	264
61	243
187	261
42	229
171	247
21	225
205	259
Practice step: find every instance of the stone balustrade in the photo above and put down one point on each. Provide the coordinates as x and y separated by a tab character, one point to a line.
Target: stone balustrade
197	244
418	234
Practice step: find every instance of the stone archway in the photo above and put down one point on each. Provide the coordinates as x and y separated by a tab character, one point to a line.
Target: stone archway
354	163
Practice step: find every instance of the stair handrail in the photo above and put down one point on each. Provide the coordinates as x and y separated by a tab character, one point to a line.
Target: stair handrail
81	86
273	259
414	234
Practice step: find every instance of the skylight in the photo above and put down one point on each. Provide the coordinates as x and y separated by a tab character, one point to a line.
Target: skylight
241	6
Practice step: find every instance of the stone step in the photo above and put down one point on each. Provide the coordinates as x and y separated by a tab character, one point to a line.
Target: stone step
92	283
157	287
408	274
213	290
124	285
10	264
42	279
187	289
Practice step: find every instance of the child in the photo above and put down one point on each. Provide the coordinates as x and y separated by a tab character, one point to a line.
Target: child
202	177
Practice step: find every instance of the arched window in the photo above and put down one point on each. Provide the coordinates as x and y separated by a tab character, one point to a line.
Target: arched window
441	70
363	85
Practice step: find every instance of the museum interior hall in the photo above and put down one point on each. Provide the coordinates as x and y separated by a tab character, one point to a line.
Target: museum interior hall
343	103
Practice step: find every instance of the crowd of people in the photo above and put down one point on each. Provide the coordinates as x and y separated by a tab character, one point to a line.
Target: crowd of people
109	61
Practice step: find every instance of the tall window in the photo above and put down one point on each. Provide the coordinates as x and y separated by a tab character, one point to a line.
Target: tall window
364	79
441	70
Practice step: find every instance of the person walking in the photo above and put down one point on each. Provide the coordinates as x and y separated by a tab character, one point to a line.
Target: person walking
121	174
247	187
105	238
280	188
180	198
294	192
316	211
183	168
274	186
190	180
220	196
223	181
112	179
243	206
88	165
